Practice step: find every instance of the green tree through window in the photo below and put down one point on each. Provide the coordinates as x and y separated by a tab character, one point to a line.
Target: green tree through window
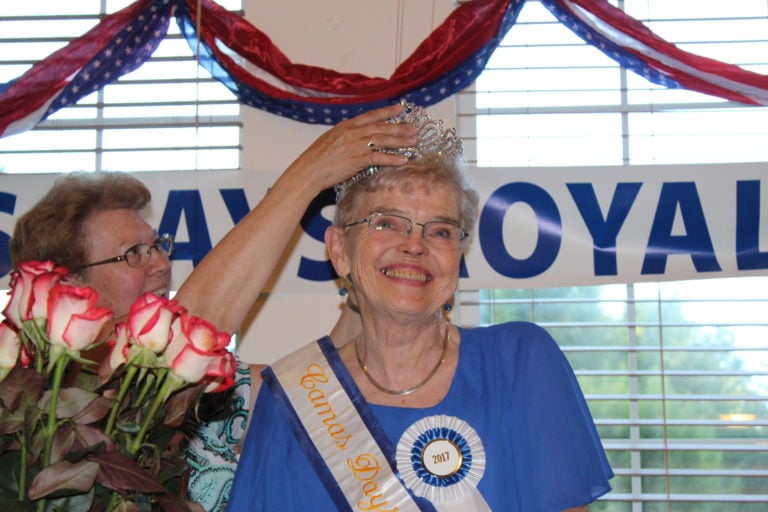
681	416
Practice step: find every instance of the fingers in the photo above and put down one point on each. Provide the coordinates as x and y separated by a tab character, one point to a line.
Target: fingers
372	116
379	159
384	137
377	133
355	144
371	130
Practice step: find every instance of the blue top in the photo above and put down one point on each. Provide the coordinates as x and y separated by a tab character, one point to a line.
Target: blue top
513	385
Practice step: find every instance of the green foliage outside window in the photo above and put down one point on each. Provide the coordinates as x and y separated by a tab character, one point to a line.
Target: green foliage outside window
682	417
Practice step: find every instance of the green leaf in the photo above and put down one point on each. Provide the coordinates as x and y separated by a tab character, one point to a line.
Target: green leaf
121	473
129	427
64	478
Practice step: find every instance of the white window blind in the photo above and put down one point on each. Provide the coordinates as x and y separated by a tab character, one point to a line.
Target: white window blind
547	98
676	373
169	114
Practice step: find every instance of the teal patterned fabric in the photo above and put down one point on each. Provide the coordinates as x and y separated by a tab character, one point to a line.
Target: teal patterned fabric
213	454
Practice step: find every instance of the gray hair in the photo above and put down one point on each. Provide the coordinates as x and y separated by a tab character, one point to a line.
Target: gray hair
426	172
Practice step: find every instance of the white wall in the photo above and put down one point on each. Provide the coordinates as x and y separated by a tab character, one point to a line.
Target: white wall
363	36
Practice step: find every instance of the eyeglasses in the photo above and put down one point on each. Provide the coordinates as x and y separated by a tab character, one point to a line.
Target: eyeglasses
389	226
139	255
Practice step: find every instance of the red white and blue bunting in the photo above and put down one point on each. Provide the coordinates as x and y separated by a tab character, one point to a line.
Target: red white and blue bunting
246	61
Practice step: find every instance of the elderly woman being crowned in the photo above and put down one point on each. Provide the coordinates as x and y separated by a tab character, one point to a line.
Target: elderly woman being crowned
415	413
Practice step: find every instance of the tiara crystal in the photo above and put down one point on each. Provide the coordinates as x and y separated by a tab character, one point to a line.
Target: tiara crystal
431	138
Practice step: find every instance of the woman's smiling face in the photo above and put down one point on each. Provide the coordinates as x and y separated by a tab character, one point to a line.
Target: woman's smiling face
400	274
110	233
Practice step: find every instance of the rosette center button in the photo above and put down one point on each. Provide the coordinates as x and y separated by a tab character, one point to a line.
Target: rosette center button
441	458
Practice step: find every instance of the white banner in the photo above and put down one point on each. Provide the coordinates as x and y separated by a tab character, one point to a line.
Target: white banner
537	226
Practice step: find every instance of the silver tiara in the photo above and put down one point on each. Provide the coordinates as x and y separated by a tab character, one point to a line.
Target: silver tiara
432	138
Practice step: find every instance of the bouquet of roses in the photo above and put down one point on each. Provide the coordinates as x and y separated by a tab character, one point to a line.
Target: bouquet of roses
83	435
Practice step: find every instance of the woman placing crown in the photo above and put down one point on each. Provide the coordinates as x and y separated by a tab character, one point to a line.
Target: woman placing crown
415	413
93	223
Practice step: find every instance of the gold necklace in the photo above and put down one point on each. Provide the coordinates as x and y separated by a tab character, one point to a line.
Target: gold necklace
410	390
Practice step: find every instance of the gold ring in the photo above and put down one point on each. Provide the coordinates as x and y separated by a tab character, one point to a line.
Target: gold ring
371	144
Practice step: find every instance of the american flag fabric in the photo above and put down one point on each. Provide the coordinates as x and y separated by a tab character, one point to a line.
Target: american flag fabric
246	61
260	75
119	44
635	47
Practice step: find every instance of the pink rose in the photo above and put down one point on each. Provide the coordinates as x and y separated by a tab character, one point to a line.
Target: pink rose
30	285
120	346
198	353
221	373
74	320
10	348
149	321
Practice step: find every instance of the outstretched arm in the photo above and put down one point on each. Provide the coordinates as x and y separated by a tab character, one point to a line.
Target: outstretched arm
227	282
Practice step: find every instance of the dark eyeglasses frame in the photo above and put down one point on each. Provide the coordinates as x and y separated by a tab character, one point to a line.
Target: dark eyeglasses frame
162	239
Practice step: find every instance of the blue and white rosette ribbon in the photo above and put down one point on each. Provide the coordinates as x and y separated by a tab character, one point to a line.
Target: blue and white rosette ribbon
441	458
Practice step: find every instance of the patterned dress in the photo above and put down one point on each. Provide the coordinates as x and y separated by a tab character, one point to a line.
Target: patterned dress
214	453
